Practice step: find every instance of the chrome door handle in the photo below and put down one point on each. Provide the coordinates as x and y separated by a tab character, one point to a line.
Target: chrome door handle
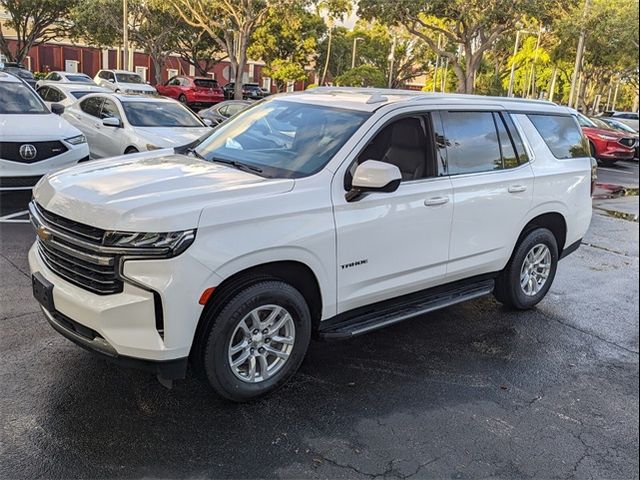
434	201
517	188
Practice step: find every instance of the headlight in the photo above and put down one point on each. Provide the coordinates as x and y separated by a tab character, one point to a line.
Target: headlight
607	137
150	147
77	140
160	243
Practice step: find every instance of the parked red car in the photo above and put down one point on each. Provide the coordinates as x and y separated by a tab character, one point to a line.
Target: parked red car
607	145
200	92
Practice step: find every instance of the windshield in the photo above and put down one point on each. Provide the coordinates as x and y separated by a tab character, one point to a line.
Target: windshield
601	124
128	78
284	139
620	126
159	114
585	122
79	78
80	94
18	98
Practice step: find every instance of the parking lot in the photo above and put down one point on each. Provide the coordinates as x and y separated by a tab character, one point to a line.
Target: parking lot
470	391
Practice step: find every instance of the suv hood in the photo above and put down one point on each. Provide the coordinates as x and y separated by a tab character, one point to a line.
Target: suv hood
43	127
148	192
603	131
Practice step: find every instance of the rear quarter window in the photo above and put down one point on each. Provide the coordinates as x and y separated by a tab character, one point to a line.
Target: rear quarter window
562	134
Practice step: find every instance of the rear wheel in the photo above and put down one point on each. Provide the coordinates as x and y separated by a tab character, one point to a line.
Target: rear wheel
529	274
182	99
257	341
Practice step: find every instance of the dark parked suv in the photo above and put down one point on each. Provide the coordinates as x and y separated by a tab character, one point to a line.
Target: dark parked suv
249	91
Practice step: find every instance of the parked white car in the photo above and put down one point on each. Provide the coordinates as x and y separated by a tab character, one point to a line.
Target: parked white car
65	77
364	208
628	118
33	140
115	124
122	81
67	94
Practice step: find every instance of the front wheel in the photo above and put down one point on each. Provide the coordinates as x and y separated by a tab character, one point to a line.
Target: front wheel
258	340
529	274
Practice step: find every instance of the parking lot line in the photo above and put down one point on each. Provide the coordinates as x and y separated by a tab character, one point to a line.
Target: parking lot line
11	218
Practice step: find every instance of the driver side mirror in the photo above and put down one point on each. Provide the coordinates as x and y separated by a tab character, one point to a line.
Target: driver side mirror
57	108
112	122
373	176
111	80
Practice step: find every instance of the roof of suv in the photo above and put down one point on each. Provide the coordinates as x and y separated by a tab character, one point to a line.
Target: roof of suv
370	99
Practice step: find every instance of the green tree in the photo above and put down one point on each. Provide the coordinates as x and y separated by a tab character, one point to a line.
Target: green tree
287	41
34	22
229	24
285	71
362	76
197	48
151	29
474	26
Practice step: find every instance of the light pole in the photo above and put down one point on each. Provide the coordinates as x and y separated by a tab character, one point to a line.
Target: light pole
125	34
392	57
353	51
513	65
532	84
435	71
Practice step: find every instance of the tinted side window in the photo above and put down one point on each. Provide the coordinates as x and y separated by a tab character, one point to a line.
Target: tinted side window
518	144
402	143
109	110
472	142
44	93
509	156
562	134
91	106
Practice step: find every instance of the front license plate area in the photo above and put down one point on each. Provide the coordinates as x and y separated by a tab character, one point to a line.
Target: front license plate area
43	291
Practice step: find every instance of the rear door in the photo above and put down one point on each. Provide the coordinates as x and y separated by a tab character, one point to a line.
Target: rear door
87	117
492	184
109	141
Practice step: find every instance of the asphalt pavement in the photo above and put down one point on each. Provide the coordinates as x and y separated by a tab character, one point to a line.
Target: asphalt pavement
471	391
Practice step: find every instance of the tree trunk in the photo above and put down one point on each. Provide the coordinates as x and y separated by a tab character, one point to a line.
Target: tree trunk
326	61
158	62
241	61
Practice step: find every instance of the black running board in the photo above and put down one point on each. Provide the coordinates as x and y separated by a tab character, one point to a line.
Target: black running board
364	320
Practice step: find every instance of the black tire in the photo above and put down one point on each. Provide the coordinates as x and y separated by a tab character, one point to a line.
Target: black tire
214	359
508	289
182	99
131	150
592	149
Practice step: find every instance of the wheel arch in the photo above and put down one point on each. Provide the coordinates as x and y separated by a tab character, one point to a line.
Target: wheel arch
297	274
553	221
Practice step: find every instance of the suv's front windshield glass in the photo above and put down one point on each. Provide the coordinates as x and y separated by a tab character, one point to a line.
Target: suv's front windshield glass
128	78
281	138
16	98
159	114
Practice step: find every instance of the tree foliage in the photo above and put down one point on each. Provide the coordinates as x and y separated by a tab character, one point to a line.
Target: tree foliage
34	22
362	76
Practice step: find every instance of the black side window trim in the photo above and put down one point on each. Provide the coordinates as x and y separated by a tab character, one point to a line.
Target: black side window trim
512	130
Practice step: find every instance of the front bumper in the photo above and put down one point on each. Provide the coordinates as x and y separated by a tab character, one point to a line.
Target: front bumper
10	169
615	151
93	342
153	319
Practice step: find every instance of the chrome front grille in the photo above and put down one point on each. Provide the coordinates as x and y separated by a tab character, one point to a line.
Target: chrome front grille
72	251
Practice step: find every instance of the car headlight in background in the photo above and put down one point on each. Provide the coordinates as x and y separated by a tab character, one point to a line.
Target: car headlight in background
610	138
77	140
155	243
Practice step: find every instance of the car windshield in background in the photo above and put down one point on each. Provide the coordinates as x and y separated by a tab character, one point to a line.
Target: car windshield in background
585	122
79	78
19	99
20	72
80	94
206	83
619	126
128	78
282	139
601	124
159	114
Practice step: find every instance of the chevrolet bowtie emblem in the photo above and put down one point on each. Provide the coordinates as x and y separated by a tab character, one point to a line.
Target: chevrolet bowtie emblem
44	234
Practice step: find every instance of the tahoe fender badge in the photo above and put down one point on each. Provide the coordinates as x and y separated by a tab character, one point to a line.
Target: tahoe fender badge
354	264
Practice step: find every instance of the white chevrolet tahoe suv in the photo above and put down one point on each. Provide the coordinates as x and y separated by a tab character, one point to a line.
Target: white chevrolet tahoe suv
331	212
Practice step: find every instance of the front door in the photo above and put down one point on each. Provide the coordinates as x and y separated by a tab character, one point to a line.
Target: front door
391	244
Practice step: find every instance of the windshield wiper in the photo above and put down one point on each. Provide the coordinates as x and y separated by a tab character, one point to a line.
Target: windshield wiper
236	164
195	153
